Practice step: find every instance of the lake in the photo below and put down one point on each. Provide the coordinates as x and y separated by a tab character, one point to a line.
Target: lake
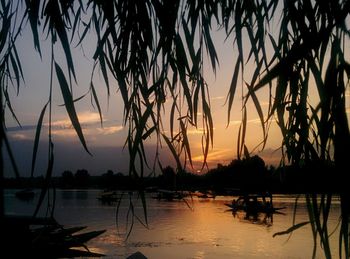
198	228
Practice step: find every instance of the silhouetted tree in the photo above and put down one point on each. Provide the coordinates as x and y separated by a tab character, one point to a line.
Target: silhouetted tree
82	177
168	178
109	179
254	173
109	173
67	179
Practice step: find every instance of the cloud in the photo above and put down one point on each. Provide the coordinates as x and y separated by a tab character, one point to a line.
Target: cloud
235	122
251	121
65	132
216	155
238	122
85	119
198	131
110	130
218	98
88	132
63	129
90	123
21	128
25	132
20	136
264	103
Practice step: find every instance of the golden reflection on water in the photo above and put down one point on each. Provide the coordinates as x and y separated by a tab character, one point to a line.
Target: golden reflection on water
199	255
208	230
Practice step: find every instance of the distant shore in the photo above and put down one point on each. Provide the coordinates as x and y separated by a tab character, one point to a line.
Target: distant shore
187	183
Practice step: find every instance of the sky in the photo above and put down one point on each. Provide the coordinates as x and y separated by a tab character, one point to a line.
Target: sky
106	143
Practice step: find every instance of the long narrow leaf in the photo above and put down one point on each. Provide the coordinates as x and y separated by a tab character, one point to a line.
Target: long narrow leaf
173	151
33	15
12	157
244	129
68	100
9	105
291	229
75	100
185	141
259	110
232	90
47	180
37	137
144	205
96	101
15	70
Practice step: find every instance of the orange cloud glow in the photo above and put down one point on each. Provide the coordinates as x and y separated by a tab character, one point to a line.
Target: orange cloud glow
20	136
84	118
110	130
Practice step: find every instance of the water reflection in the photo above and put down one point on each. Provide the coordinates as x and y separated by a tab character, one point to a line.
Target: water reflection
264	219
67	194
207	230
81	194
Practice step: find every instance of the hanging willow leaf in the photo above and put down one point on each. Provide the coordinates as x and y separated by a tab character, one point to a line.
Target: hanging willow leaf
68	100
18	62
291	229
96	101
205	147
6	24
87	27
259	110
238	151
238	30
10	153
210	45
104	71
186	141
37	137
33	16
76	22
207	112
246	152
15	70
232	90
181	57
9	105
75	100
136	145
195	102
47	180
144	206
344	236
253	41
172	150
149	133
244	129
189	40
172	114
311	213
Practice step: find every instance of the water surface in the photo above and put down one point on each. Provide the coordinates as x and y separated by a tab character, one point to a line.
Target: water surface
196	229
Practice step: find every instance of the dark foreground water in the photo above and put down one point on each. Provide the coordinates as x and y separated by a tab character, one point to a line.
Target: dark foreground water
196	229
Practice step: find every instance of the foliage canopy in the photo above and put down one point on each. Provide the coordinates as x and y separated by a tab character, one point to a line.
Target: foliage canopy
155	51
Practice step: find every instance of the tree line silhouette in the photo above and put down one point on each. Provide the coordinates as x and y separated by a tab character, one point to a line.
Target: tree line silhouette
240	175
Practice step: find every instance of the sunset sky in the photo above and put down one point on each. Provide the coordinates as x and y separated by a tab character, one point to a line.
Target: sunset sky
106	143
